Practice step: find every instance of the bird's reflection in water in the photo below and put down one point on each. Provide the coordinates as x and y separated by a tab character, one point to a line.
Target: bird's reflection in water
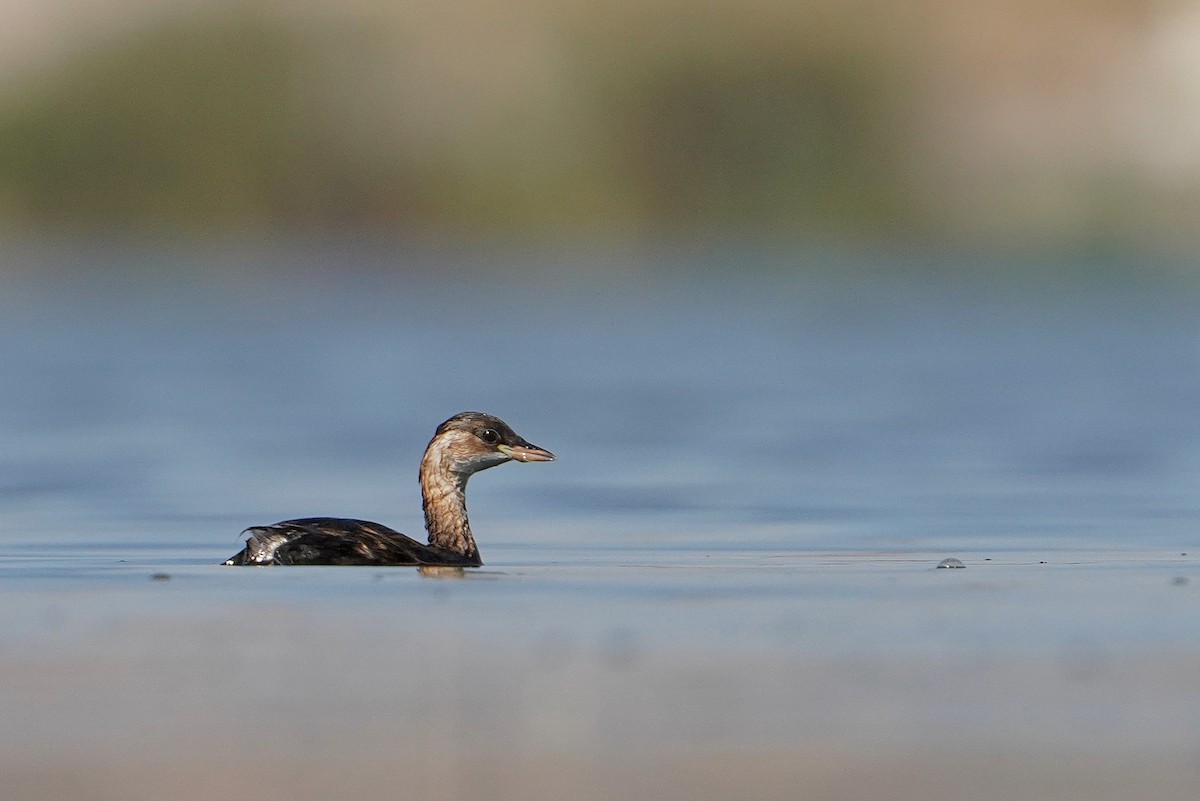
442	571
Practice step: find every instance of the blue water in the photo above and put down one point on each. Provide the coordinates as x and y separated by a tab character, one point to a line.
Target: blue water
735	413
757	473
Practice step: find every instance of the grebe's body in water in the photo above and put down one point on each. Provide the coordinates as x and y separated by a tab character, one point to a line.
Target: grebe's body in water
464	444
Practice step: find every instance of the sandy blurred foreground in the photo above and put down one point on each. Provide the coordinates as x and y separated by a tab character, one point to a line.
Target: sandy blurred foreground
321	706
768	775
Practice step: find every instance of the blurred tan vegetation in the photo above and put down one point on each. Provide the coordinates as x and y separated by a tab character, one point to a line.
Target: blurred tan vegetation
1062	123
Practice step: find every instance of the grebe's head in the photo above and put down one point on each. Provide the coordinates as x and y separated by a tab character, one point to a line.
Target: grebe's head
472	441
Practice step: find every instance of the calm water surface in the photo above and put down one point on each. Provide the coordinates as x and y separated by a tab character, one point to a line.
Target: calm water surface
760	424
757	475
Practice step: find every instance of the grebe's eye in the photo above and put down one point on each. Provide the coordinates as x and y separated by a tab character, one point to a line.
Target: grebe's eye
489	436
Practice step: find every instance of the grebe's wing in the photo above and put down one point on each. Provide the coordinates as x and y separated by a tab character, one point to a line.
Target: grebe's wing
336	541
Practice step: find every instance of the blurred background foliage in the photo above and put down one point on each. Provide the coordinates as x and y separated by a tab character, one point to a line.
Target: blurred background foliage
1062	124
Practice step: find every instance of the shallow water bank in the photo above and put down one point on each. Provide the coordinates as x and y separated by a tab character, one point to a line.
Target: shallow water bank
298	704
694	675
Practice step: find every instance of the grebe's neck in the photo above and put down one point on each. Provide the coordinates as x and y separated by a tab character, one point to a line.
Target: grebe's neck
444	499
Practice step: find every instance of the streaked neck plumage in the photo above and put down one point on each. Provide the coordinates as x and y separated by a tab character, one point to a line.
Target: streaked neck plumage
444	499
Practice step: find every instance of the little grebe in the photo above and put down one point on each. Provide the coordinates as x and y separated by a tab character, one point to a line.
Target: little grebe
464	444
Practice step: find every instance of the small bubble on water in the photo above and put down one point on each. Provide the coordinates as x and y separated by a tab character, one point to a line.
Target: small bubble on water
951	562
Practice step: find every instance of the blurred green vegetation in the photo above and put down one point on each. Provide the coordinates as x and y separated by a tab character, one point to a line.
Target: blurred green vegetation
548	119
208	123
253	121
